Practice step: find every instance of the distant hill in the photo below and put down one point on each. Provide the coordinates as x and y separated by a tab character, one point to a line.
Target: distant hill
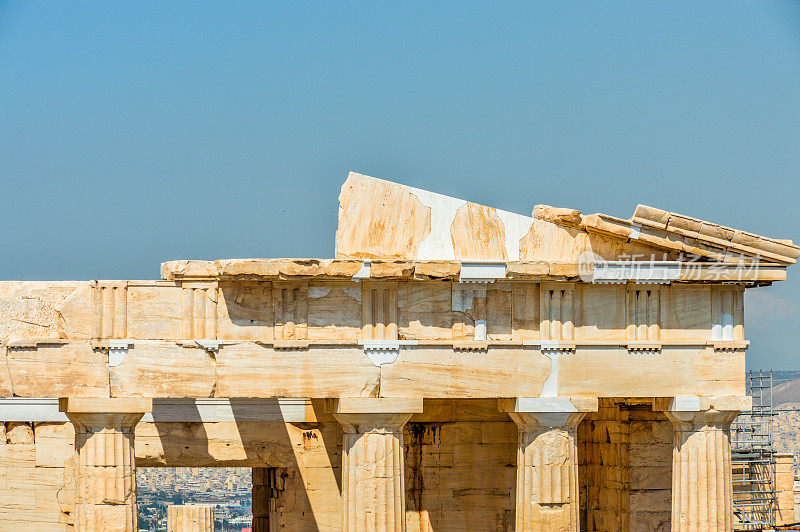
780	377
786	424
786	392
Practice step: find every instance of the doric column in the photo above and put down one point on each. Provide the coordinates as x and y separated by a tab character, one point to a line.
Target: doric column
373	492
190	518
105	497
547	460
702	491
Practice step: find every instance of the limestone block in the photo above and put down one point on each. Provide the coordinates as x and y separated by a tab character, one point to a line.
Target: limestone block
498	372
478	233
675	370
686	312
391	269
525	312
333	312
250	370
238	444
35	478
600	313
55	444
190	518
19	433
19	455
425	311
74	313
29	309
245	310
176	269
436	269
288	268
557	215
248	268
378	219
163	369
154	312
73	369
498	312
643	521
17	505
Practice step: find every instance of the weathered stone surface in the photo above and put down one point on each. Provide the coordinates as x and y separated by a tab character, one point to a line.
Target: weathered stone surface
190	518
105	469
436	269
177	269
478	233
73	369
19	433
373	471
378	219
702	495
159	369
28	309
433	373
400	328
396	269
248	267
547	471
249	370
557	215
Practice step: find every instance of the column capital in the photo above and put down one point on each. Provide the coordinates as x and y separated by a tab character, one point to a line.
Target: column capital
375	405
91	413
363	414
694	403
691	413
531	413
105	405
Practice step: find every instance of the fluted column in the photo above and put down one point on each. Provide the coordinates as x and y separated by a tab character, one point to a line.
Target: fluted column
547	461
190	518
702	490
105	497
373	491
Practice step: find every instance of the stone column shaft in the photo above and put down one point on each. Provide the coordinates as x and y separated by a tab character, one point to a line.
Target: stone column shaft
105	497
702	488
373	471
547	462
190	518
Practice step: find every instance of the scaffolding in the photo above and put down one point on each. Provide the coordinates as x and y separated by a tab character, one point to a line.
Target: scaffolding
753	458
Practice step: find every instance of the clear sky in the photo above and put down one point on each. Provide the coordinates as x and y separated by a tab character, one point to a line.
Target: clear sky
133	133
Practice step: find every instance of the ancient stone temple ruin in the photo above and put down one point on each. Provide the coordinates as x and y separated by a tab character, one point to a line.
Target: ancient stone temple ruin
454	367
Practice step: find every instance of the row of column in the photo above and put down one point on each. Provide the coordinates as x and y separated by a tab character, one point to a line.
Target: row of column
373	491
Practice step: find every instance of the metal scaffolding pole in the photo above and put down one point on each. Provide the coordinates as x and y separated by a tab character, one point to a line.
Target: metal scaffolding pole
753	458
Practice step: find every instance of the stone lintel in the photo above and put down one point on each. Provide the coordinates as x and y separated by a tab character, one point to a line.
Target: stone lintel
689	403
105	405
375	405
548	404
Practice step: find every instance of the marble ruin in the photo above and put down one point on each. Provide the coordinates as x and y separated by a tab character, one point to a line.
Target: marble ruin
454	367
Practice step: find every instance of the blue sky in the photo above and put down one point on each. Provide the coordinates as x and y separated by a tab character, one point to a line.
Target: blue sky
133	133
